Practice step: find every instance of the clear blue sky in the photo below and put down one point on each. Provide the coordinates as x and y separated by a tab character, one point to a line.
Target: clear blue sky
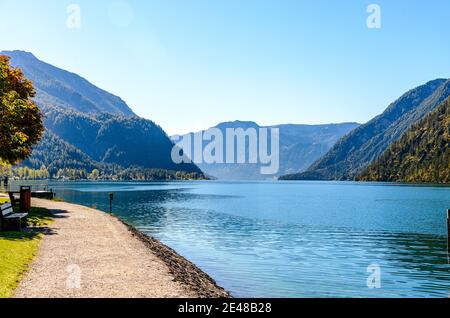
190	64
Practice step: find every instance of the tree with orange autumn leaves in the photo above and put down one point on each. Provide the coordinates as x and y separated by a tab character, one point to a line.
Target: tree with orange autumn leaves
21	123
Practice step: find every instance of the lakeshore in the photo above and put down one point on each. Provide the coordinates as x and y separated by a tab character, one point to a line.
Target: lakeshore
86	253
278	250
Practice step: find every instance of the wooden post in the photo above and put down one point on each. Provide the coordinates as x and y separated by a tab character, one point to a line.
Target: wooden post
111	198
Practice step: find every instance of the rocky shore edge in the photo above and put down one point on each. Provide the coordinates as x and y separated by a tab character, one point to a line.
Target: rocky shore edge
183	270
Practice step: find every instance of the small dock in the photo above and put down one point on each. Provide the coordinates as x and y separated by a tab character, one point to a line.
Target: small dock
49	195
37	191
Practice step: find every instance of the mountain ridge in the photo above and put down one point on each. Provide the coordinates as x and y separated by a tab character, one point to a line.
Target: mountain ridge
422	154
300	145
92	125
354	152
71	89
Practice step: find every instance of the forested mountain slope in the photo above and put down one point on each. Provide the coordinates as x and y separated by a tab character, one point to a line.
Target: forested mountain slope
354	152
421	155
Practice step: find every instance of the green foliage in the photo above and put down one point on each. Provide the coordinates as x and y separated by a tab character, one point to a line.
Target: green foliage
52	154
21	120
139	174
109	172
421	155
94	175
116	174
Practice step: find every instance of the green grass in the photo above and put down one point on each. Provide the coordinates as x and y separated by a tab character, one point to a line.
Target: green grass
17	250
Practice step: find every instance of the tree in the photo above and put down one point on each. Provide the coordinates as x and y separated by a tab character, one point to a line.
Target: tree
20	119
94	175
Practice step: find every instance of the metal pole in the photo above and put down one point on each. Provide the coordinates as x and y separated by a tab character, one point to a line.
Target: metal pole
448	230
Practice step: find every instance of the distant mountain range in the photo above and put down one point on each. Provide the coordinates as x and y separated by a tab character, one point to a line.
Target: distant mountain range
89	128
421	155
300	146
356	151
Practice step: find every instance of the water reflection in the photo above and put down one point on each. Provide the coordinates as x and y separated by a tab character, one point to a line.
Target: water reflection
291	252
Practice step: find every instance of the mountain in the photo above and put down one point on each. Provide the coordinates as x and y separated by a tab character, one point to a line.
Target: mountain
421	155
123	140
53	153
59	159
355	151
57	87
89	128
300	146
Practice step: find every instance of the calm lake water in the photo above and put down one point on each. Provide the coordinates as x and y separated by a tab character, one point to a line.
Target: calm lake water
299	239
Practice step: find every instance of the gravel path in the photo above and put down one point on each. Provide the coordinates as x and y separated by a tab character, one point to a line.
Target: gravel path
87	253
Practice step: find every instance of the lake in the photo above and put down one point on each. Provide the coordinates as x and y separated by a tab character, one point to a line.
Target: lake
293	239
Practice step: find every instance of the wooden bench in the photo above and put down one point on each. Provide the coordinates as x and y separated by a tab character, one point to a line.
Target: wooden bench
8	216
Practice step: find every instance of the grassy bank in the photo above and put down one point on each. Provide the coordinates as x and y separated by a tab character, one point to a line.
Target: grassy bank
17	250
